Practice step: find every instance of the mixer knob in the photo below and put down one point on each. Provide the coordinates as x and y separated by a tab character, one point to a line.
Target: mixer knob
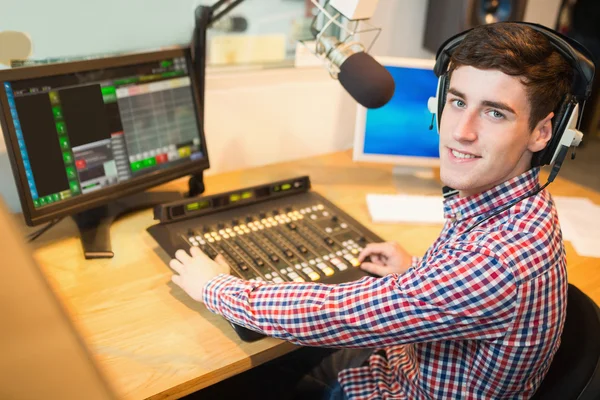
220	225
259	262
206	229
288	209
289	254
276	212
249	219
329	241
292	226
262	215
274	258
191	232
303	249
334	218
362	239
235	222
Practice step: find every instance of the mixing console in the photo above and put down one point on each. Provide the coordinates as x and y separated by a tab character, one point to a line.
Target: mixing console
279	232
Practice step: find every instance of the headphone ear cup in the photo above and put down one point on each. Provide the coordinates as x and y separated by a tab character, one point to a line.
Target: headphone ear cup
559	125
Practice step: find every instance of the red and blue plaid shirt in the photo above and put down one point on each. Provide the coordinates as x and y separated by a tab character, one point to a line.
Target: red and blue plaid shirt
480	316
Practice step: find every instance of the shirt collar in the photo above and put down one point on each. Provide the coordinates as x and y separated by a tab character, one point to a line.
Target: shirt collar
459	208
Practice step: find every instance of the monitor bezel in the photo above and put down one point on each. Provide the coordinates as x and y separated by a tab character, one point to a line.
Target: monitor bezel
103	196
358	153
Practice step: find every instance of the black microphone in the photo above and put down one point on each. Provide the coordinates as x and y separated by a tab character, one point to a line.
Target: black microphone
231	24
367	81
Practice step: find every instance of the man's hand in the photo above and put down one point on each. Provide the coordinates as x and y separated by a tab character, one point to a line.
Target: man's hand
386	258
196	270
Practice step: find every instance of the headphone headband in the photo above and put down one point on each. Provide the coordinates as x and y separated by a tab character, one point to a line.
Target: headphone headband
577	55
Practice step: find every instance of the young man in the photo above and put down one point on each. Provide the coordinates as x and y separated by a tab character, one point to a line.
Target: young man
481	313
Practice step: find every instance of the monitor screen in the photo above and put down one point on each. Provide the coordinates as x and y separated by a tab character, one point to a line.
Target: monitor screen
81	133
399	131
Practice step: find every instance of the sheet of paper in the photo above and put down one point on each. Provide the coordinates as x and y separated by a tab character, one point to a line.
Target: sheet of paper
406	208
580	222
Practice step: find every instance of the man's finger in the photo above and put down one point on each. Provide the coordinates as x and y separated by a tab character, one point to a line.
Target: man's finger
182	256
385	249
375	269
176	265
196	252
221	260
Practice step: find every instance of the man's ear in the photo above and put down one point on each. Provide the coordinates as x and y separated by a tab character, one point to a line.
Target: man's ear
541	135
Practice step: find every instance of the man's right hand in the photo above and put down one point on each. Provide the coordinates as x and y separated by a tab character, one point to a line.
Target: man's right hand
386	258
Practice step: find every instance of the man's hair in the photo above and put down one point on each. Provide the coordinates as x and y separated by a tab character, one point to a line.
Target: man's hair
519	50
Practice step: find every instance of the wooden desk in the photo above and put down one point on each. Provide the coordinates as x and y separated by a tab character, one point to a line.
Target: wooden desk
154	342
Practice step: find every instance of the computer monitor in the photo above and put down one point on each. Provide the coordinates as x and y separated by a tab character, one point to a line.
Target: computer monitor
399	132
82	134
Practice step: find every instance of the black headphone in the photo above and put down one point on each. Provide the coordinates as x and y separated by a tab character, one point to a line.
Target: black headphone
568	113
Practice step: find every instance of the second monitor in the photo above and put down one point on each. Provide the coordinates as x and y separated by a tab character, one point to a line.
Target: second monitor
399	133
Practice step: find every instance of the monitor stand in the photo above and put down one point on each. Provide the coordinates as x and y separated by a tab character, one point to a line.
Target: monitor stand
94	224
417	178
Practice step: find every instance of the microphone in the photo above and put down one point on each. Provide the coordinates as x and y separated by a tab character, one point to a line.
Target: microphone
367	81
231	24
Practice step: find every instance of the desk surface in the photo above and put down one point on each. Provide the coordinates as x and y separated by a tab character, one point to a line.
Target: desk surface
152	341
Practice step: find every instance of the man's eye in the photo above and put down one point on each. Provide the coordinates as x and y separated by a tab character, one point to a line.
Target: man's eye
496	114
458	103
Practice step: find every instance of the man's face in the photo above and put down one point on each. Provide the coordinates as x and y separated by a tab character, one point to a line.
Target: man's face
485	137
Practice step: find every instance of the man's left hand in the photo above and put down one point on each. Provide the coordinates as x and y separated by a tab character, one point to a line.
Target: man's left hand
194	270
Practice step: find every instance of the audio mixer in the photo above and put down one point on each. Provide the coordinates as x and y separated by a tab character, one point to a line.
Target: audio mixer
277	232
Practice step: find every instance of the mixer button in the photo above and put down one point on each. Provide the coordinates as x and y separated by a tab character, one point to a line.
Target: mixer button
283	271
343	225
277	280
341	267
328	271
299	279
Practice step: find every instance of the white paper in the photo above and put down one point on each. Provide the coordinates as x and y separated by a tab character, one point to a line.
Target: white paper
406	208
580	222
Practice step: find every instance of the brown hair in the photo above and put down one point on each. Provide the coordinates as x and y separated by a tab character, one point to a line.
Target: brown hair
518	50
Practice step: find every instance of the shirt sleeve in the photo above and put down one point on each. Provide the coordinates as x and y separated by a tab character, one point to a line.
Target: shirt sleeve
458	294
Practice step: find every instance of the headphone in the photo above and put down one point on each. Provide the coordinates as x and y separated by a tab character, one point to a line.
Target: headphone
565	133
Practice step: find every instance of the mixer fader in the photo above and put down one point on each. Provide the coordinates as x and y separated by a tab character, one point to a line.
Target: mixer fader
278	232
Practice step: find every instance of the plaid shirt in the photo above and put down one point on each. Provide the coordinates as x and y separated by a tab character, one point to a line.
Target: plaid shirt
480	316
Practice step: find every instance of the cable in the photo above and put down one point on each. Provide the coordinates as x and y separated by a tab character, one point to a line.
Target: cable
32	236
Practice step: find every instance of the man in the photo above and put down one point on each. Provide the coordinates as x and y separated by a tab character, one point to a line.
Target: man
481	313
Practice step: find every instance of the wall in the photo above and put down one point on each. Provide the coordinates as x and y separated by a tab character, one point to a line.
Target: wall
252	118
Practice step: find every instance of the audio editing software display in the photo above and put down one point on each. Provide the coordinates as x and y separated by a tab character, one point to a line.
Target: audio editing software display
81	132
278	232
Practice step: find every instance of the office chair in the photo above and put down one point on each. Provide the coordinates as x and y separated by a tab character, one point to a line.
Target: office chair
575	370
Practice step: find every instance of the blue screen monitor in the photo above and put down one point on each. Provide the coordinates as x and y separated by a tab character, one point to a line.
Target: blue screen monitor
398	133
